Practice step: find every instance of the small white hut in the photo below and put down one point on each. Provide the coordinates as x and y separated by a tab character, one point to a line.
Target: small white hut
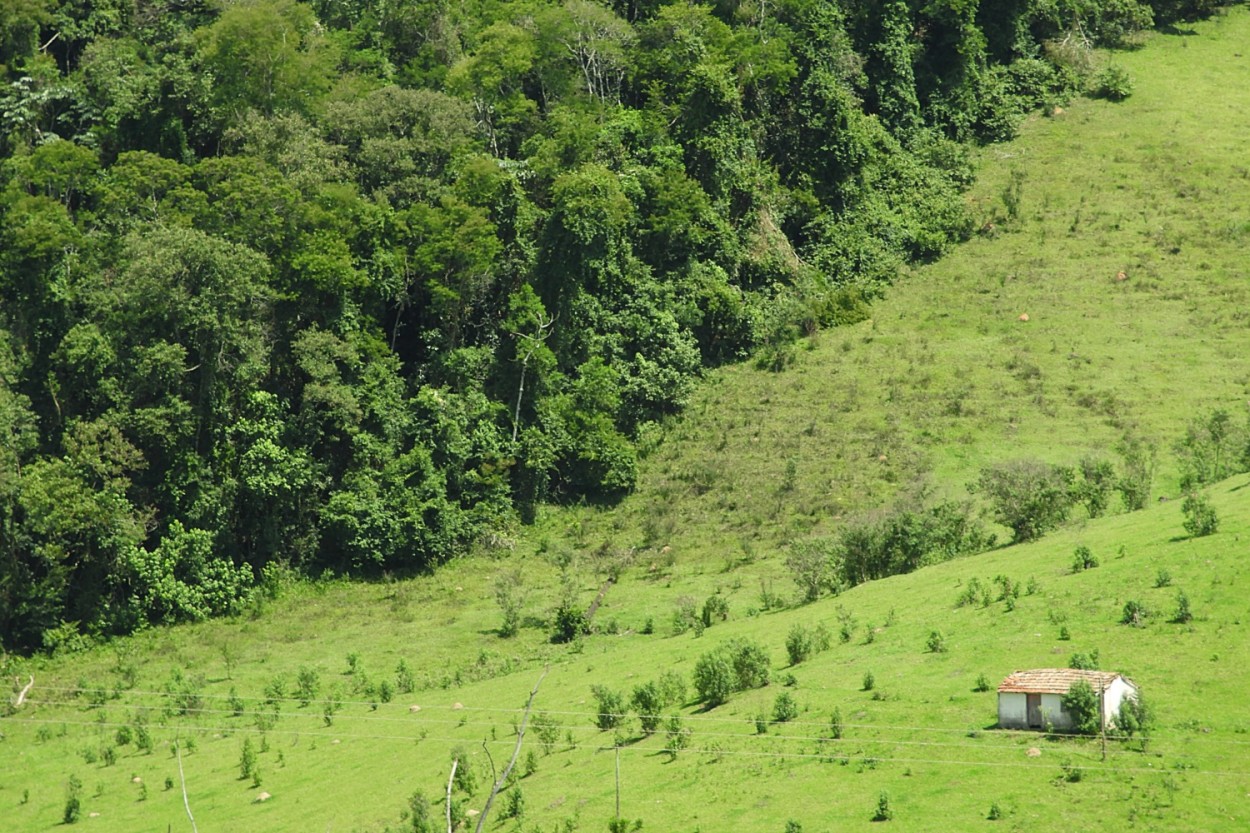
1034	699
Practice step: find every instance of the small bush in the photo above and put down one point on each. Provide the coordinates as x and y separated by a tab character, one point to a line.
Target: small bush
716	608
647	700
1163	578
1084	662
1081	703
751	664
713	678
247	759
1113	83
1183	614
514	804
676	735
799	644
1135	614
936	643
884	811
1028	496
1095	486
983	684
971	593
1083	559
465	780
568	622
405	682
547	728
306	684
996	812
836	725
811	564
609	707
1200	517
1137	473
785	708
870	682
1134	719
420	817
510	595
73	800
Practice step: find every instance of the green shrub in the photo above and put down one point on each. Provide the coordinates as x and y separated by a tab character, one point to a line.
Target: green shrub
751	664
811	564
1095	486
676	735
1213	448
936	643
1081	703
73	801
1029	497
510	595
1134	718
1083	559
1183	614
898	541
713	678
247	759
799	644
971	593
1137	472
836	726
715	608
547	728
983	684
884	812
405	682
1163	578
513	804
1084	662
647	700
785	708
568	622
1200	517
306	684
1113	83
609	707
465	780
419	815
1135	614
870	682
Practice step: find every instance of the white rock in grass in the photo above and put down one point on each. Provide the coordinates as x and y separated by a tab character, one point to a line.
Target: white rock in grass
263	797
414	708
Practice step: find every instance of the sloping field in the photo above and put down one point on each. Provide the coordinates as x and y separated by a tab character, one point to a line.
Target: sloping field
945	378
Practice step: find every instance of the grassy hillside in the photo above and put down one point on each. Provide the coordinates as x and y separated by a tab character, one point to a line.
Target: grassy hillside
922	734
945	378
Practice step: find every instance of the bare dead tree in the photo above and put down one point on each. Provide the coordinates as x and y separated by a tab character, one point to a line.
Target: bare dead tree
21	695
516	752
532	343
455	762
186	802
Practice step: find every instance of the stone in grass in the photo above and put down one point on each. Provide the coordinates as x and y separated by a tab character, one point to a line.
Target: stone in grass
262	798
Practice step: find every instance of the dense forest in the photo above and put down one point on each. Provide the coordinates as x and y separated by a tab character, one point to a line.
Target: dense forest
347	286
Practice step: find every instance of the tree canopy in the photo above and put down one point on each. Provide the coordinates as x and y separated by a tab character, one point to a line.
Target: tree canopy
346	285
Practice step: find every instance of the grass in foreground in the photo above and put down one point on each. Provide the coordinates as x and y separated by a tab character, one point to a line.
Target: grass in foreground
945	378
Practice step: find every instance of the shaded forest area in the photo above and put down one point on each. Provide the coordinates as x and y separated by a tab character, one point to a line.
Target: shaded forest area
348	286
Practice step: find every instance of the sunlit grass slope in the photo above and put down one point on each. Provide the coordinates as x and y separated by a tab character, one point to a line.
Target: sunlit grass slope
945	378
921	734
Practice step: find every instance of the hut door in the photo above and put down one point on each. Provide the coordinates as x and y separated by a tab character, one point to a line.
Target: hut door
1033	705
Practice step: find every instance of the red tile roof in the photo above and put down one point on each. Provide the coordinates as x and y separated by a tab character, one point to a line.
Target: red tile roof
1054	680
